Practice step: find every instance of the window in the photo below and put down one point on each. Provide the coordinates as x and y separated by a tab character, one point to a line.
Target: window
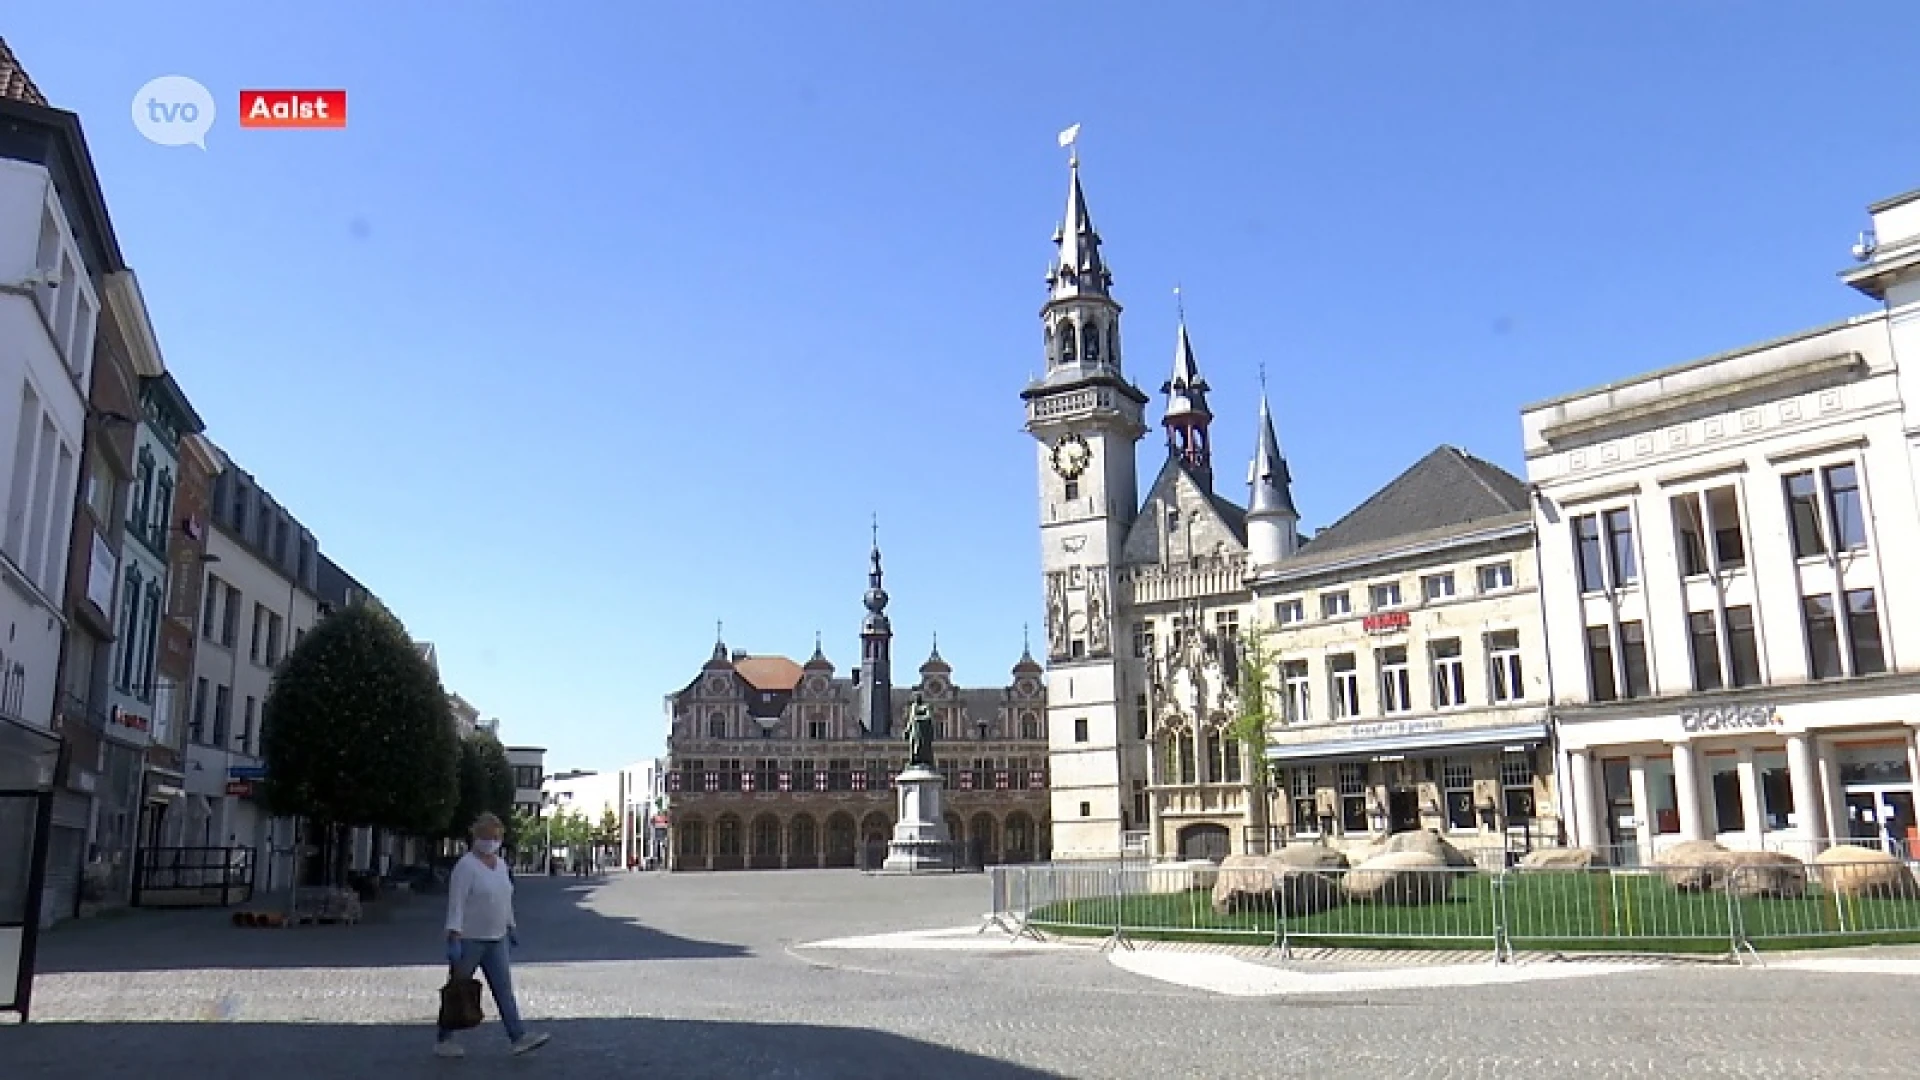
1079	729
1600	664
1353	797
1143	639
1823	638
1178	637
1633	659
1299	706
1603	550
209	607
163	517
1086	809
816	728
197	731
766	775
1437	586
1730	809
129	631
1704	637
1384	596
1227	763
247	725
1713	514
274	624
1072	490
1449	675
1288	612
1344	677
1722	522
149	643
100	489
1516	786
230	621
1457	781
1142	716
1029	726
1496	576
1395	683
1503	666
1180	760
1306	807
222	714
257	644
716	726
1334	604
1226	626
1863	633
1839	513
1743	646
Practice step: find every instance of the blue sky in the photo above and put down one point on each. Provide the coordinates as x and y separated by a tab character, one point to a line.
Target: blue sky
601	324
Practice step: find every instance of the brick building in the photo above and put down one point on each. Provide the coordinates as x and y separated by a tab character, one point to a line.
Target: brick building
775	764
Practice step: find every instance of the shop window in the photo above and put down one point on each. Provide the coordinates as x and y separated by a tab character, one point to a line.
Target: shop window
1456	779
1776	789
1344	676
1304	785
1353	798
1449	675
1704	637
1729	811
1663	795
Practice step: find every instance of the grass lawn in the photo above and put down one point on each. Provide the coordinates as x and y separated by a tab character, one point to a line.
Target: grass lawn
1554	911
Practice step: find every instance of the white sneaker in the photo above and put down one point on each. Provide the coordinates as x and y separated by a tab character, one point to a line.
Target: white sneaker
528	1043
449	1049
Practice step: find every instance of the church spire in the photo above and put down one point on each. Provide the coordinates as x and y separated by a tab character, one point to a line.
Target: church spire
1078	268
1188	418
1272	520
876	661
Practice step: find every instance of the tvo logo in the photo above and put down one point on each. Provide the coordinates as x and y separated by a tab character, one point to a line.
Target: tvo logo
174	110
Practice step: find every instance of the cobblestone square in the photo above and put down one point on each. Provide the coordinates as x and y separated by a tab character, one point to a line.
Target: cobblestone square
728	975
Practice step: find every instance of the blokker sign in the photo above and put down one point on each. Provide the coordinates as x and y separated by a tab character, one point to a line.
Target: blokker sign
1729	718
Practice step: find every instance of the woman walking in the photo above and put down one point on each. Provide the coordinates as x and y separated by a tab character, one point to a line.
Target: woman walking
480	932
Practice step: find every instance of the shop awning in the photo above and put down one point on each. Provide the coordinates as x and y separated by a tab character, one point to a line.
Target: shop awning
1409	742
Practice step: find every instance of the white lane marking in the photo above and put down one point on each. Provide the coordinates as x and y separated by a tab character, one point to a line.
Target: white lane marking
960	939
1238	978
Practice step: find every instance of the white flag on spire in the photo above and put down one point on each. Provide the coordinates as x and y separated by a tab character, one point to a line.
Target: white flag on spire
1070	136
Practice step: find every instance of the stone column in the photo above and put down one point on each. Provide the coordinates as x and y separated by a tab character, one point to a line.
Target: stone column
1642	806
1584	829
1686	791
1808	805
1752	807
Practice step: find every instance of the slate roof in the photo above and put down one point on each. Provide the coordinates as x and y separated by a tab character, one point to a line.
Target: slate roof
1445	489
1231	514
15	83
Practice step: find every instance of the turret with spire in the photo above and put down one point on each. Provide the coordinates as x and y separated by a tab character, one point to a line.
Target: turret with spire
876	663
1188	418
1272	520
1083	322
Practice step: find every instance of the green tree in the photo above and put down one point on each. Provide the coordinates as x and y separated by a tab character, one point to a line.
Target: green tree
486	783
525	831
1258	711
608	832
357	730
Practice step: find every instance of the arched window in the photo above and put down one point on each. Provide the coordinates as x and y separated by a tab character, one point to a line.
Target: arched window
1067	349
1093	343
1113	343
717	726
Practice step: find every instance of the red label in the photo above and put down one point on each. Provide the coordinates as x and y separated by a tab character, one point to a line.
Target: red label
293	108
1385	621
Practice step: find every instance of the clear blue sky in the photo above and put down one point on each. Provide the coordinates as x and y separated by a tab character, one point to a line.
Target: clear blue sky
602	322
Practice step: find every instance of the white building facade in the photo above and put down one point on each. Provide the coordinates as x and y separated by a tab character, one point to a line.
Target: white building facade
1732	605
258	602
48	317
529	765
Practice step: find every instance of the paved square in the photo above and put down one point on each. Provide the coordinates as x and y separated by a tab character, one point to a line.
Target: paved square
752	975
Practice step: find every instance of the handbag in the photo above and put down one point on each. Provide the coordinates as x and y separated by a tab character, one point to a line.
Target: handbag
460	1003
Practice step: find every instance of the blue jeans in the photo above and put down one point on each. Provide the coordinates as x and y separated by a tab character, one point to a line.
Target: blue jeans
491	959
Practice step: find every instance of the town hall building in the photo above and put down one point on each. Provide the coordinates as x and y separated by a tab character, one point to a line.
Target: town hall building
1421	706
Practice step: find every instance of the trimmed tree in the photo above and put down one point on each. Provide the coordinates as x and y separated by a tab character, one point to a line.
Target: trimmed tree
357	731
1258	713
486	783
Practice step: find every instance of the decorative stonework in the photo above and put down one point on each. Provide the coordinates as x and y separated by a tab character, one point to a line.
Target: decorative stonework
1610	453
1715	428
1057	614
1750	420
1789	411
1643	445
1676	437
1577	460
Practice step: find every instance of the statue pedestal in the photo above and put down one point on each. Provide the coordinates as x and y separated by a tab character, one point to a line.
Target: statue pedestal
920	840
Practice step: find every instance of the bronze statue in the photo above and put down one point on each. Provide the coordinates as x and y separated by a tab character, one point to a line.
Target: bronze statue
919	733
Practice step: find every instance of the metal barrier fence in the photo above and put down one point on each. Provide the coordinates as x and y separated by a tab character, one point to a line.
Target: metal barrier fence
1736	907
193	877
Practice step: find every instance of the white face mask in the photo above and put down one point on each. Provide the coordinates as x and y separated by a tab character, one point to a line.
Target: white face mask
486	847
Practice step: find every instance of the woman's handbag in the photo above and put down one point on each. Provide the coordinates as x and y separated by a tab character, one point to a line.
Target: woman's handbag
460	1003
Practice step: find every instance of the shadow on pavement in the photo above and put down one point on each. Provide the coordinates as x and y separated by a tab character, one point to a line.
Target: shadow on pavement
555	926
584	1048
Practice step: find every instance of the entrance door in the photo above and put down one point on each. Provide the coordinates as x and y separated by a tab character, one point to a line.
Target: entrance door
1883	816
1205	841
1403	810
